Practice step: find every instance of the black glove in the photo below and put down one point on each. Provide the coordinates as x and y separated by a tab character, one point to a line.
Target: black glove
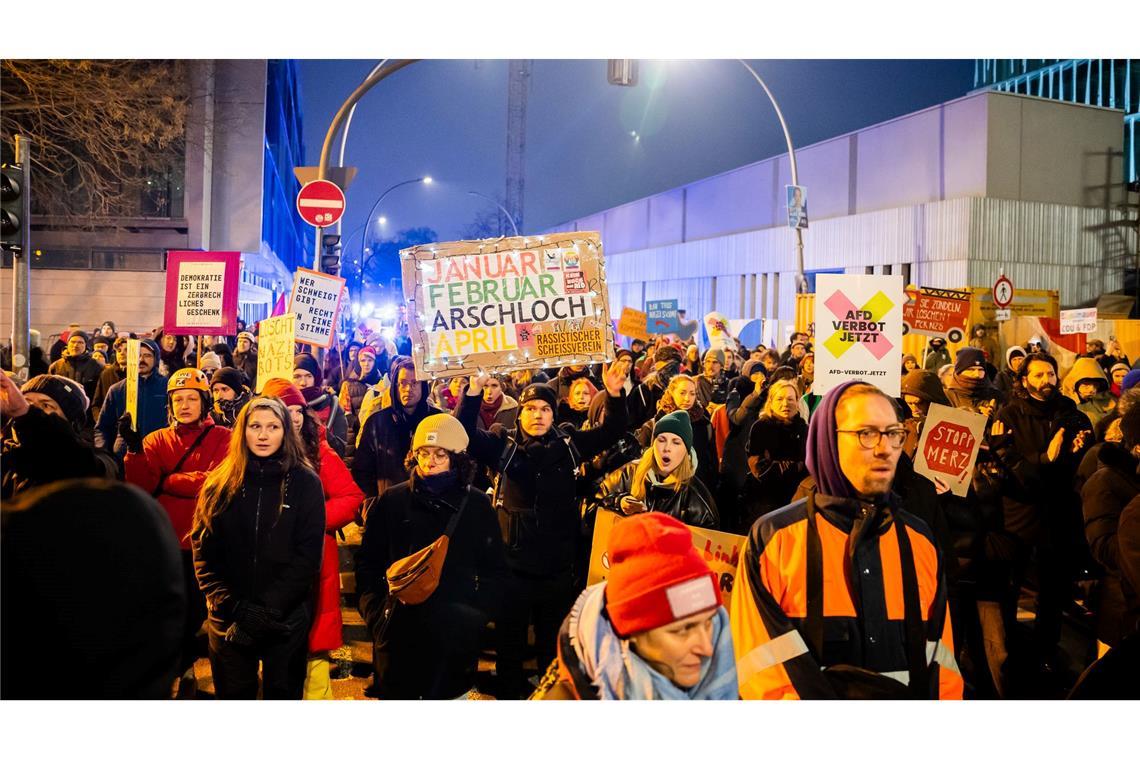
130	437
236	635
259	621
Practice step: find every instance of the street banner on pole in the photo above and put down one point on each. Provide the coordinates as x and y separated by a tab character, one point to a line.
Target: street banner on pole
275	349
1078	321
721	550
797	206
201	292
632	324
133	380
858	331
663	317
504	304
948	446
316	302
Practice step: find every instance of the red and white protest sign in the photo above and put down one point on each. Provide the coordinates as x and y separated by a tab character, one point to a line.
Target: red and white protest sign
936	311
201	292
949	446
320	203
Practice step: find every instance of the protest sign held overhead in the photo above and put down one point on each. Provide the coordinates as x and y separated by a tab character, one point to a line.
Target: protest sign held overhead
633	324
949	446
275	348
718	332
201	292
937	312
507	303
663	317
1078	321
316	302
858	330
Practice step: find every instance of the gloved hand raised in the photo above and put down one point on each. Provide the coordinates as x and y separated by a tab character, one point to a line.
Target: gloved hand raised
132	438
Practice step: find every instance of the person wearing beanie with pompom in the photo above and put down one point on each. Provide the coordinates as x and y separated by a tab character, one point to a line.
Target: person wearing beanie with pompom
663	479
536	498
433	646
655	629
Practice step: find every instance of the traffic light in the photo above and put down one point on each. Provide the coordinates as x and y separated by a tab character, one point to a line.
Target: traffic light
330	254
12	205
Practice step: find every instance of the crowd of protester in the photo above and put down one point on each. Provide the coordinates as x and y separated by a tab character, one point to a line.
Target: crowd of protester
218	507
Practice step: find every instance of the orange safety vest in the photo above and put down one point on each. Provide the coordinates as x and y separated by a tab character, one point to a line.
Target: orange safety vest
859	611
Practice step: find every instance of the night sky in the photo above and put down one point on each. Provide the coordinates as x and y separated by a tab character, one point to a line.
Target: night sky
447	118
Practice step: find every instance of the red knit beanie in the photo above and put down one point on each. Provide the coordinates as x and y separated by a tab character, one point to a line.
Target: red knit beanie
656	575
281	388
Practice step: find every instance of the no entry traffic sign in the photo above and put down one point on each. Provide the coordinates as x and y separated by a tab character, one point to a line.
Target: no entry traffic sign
320	203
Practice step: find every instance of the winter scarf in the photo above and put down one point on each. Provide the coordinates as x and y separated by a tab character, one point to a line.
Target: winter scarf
823	447
619	673
487	411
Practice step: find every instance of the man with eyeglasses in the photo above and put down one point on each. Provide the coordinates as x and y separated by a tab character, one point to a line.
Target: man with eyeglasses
882	629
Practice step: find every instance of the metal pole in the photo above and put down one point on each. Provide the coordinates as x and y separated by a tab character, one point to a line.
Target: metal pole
334	127
347	126
21	280
366	237
801	280
508	213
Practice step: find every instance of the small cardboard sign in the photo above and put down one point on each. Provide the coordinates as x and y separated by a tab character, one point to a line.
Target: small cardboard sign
1078	321
948	446
662	317
316	302
633	324
275	349
720	550
133	346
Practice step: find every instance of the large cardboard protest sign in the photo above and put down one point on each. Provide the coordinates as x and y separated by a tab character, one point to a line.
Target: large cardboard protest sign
133	346
948	446
275	348
663	317
936	311
201	292
633	324
858	330
316	302
507	303
721	550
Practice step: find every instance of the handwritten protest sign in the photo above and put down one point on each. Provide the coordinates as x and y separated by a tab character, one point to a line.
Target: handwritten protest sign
663	317
632	324
858	324
937	311
507	303
720	550
133	380
1077	321
201	292
949	446
316	302
275	349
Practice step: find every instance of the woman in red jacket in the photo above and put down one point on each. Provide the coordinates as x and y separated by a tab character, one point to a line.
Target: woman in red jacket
342	505
171	464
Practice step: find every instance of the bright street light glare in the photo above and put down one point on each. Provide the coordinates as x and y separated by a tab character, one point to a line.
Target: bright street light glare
428	180
388	311
382	220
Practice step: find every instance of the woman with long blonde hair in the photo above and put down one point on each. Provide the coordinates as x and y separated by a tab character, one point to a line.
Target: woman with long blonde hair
777	448
681	394
257	538
663	479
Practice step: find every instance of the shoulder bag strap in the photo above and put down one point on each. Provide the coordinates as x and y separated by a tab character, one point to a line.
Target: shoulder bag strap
813	624
455	517
915	633
186	455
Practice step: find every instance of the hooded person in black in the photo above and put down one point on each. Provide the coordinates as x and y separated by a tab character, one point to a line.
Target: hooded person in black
643	402
387	434
1006	380
536	499
969	388
92	574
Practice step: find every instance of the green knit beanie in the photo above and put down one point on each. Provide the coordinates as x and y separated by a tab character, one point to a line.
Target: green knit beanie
678	424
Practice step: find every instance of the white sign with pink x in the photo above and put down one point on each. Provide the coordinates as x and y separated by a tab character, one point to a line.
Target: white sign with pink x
858	330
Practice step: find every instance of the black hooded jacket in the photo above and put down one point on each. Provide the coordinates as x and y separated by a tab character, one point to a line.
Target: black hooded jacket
378	462
692	504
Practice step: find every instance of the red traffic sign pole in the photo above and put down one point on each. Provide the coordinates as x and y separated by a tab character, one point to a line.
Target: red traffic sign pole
320	203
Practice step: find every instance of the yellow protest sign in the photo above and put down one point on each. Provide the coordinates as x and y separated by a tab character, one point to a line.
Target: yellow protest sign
633	324
133	381
720	550
275	347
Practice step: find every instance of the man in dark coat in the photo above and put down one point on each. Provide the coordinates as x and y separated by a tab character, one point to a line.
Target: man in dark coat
643	402
77	363
535	496
387	434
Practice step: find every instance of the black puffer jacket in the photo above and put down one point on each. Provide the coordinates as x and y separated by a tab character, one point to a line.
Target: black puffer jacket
1103	499
537	500
384	444
692	504
776	452
704	443
433	646
264	546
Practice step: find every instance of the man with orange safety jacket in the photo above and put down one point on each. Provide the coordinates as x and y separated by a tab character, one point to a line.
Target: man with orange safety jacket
842	594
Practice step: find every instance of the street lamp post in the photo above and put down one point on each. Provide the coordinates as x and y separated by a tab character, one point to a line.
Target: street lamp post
510	219
365	238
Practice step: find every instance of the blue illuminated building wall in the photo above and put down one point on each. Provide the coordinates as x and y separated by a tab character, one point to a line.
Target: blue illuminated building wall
282	229
1105	82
